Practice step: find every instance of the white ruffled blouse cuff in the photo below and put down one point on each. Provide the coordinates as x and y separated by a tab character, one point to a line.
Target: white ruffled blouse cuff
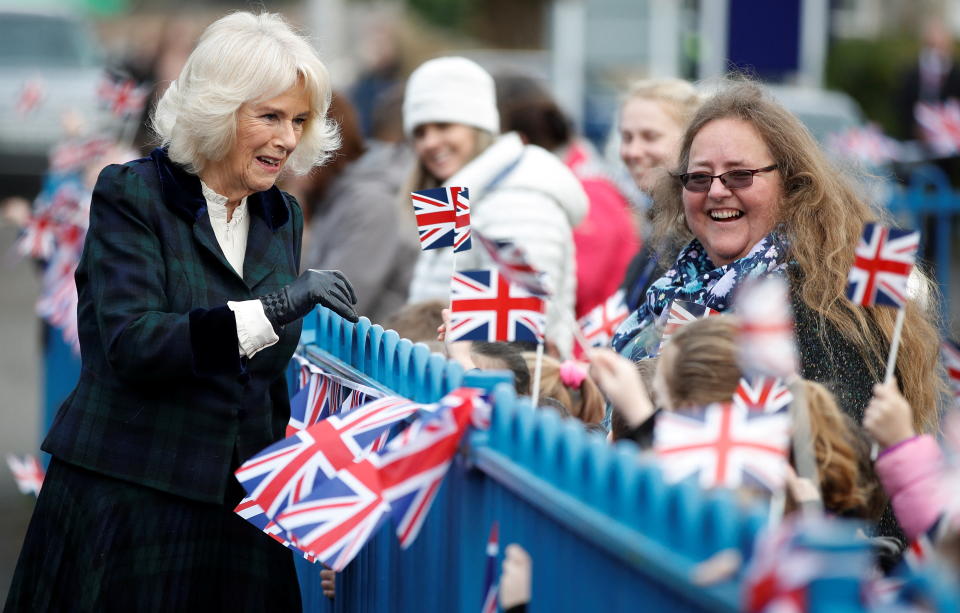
254	330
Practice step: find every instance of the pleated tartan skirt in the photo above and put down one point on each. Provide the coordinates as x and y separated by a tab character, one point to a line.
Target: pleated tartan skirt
101	544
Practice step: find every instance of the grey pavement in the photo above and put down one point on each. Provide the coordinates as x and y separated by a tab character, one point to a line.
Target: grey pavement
19	394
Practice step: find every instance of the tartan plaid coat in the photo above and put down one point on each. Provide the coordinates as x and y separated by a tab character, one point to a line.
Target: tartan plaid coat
164	397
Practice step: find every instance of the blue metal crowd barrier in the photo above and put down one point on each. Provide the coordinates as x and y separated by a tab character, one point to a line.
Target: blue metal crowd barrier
603	529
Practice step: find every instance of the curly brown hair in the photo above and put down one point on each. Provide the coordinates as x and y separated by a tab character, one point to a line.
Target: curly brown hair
822	217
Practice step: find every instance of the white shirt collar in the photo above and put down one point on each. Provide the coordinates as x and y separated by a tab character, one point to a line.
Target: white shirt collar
217	207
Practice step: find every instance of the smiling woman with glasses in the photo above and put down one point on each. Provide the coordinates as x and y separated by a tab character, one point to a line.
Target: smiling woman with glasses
732	179
779	208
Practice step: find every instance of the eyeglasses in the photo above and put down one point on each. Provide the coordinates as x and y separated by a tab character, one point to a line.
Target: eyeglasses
732	179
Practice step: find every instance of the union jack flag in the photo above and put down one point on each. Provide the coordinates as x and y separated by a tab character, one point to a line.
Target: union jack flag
413	465
288	470
725	444
950	353
681	313
486	307
881	267
249	510
27	472
764	394
490	580
443	217
338	518
38	240
765	332
940	125
30	96
313	402
867	144
74	155
121	96
602	321
512	262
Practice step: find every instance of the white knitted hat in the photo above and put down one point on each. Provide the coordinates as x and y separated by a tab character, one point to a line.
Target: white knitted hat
450	90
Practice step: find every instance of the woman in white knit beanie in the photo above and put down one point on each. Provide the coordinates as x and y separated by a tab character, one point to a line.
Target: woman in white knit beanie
518	192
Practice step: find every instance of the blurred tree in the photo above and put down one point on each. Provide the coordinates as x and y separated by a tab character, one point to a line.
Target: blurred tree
445	13
871	71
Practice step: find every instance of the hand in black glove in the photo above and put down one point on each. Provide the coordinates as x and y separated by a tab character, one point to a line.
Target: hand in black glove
327	287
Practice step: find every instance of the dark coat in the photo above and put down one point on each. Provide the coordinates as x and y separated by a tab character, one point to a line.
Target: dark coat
164	398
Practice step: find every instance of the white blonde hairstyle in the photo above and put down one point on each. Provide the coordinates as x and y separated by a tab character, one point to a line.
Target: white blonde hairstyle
243	58
678	98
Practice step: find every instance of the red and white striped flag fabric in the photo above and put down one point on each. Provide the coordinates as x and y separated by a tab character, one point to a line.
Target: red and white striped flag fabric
512	262
602	321
27	472
883	260
724	445
486	307
940	125
123	97
74	155
764	394
681	313
443	217
765	337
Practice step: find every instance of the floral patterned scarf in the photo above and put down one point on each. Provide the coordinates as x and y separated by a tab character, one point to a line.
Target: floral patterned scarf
694	278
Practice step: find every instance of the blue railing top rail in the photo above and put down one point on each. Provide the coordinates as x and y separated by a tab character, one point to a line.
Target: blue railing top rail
606	494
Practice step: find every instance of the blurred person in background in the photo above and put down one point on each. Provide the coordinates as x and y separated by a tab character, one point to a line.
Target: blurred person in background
356	224
652	119
518	193
934	78
189	312
608	237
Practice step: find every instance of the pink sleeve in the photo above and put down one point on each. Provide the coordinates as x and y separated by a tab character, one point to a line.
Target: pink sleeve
911	474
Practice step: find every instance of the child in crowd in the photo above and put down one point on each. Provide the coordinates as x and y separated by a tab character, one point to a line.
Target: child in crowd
697	367
911	467
569	384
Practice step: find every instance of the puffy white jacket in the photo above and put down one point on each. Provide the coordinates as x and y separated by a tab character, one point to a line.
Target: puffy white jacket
534	201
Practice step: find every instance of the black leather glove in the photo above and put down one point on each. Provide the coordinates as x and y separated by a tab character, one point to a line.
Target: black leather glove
326	287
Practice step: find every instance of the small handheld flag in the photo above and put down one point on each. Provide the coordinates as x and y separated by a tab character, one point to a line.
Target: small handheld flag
602	321
764	394
950	353
765	334
486	307
681	313
725	445
443	217
940	125
27	472
122	97
511	261
490	580
883	260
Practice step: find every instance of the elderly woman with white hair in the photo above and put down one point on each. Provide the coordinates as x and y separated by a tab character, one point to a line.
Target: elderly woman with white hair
189	311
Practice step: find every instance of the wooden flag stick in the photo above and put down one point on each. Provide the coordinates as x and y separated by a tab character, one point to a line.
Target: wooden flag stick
537	369
895	345
803	451
891	365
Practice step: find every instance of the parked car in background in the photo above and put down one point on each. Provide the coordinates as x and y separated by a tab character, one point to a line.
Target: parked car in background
50	68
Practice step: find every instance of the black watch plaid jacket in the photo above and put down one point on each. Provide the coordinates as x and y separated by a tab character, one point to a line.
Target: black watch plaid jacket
164	398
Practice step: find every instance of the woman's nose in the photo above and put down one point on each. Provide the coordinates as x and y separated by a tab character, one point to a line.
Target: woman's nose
718	190
287	135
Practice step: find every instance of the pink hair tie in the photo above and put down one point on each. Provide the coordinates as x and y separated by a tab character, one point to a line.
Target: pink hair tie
572	374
